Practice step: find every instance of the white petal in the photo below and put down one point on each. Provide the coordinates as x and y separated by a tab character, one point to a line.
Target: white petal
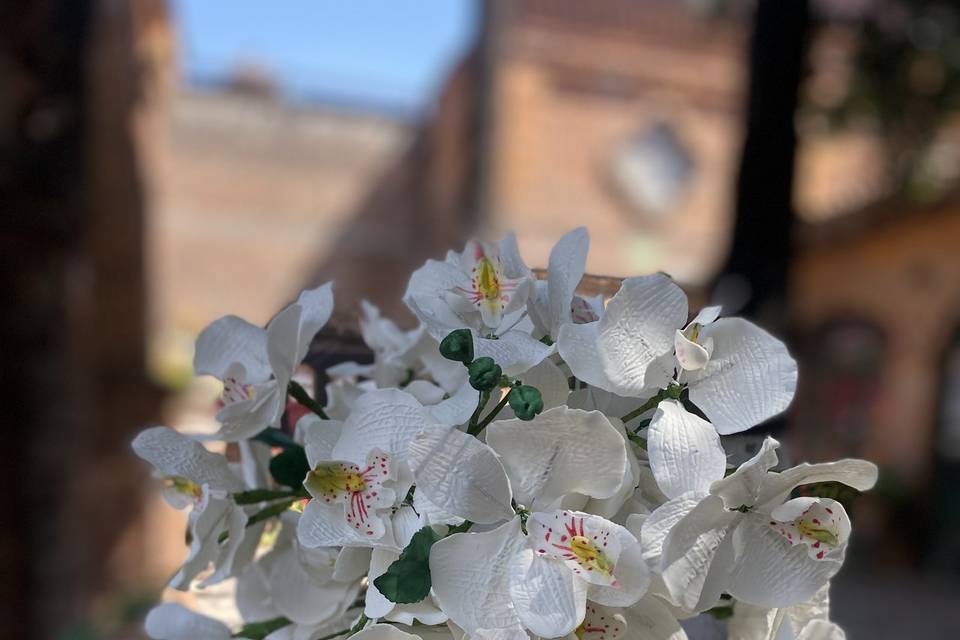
567	261
691	548
510	258
300	597
351	564
633	576
750	377
690	355
470	574
431	513
637	330
821	630
685	450
550	381
172	621
383	632
323	525
658	525
514	351
560	451
650	619
385	419
230	340
425	392
456	409
770	572
588	545
283	338
232	555
461	475
247	418
426	296
317	307
549	599
318	437
743	486
859	474
174	454
577	344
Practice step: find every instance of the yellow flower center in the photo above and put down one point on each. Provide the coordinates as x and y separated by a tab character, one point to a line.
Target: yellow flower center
589	556
487	282
184	486
336	479
818	533
692	332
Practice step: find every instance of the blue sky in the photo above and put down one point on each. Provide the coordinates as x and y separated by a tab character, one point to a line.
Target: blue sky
389	54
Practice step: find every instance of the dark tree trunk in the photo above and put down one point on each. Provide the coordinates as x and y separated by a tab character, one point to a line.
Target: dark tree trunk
755	275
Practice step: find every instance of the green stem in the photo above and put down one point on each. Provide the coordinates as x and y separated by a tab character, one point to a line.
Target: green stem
275	438
460	528
260	630
481	403
478	429
264	514
672	392
361	623
253	496
300	395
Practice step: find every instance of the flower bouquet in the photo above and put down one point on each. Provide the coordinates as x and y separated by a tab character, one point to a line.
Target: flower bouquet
526	463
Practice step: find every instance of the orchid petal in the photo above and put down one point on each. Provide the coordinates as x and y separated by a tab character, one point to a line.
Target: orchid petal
172	621
750	376
384	419
560	451
175	455
567	261
471	577
549	599
685	450
230	340
461	475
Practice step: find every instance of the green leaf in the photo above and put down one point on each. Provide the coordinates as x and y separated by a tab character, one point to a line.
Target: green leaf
407	580
260	630
290	467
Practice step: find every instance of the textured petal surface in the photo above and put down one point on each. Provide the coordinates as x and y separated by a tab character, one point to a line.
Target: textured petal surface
577	344
174	454
549	599
859	474
685	450
171	621
383	632
559	452
324	525
230	340
471	577
385	419
771	572
637	329
514	351
461	475
633	577
743	486
567	261
750	376
298	596
658	525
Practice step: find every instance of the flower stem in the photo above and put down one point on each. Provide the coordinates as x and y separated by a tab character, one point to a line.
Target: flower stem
361	623
481	403
300	395
260	630
476	430
266	513
671	392
253	496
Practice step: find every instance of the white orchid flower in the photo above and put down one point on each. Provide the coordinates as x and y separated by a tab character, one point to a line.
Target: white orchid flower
502	584
353	455
737	374
256	364
738	534
172	621
378	607
194	475
553	302
384	632
472	291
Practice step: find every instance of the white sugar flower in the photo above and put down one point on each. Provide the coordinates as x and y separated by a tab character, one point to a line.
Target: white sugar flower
808	620
255	364
472	290
737	534
737	374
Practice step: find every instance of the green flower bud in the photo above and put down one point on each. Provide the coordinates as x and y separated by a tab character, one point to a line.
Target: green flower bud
526	402
484	374
458	346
